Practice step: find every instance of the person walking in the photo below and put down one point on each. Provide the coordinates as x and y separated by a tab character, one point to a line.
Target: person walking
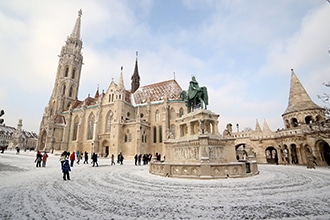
94	159
38	159
78	157
135	159
66	169
72	158
121	158
86	157
113	159
44	159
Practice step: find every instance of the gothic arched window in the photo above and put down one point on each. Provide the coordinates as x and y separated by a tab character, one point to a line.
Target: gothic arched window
73	73
173	130
66	73
160	134
172	115
70	92
108	121
181	112
90	128
75	128
63	90
157	116
155	134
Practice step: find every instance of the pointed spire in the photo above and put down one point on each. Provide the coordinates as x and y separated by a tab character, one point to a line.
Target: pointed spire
299	99
121	80
266	127
76	29
258	128
135	84
97	94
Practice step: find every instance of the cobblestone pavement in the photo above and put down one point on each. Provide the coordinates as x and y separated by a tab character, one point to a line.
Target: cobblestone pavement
130	192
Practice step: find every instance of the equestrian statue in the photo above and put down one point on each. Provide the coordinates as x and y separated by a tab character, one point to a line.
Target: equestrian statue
196	97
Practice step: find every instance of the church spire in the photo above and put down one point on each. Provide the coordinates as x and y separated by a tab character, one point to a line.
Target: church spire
299	100
135	84
76	29
121	80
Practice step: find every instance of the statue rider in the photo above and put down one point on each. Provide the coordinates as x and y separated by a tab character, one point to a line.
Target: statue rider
193	88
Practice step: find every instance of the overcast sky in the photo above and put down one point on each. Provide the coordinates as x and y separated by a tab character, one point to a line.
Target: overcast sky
242	51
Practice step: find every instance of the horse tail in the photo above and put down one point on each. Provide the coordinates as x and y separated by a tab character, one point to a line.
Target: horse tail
205	95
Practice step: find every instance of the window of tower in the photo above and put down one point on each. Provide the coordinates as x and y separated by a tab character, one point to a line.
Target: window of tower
66	72
70	92
73	73
294	122
63	91
308	119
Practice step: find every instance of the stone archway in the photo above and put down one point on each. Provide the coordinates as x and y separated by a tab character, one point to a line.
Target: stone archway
271	155
324	149
294	157
241	153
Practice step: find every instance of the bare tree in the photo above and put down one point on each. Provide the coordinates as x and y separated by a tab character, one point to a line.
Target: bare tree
325	97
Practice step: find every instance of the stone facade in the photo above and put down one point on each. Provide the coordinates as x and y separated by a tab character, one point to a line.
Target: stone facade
140	119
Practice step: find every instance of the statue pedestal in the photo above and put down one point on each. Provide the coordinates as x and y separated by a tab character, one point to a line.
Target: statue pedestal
200	152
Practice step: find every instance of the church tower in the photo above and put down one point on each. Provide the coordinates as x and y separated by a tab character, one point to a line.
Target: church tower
135	84
68	72
65	91
301	109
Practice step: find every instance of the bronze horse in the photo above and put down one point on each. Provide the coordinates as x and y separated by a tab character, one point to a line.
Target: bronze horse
200	100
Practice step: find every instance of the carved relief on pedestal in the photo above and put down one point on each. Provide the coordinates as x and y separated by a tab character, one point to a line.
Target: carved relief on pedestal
186	153
217	153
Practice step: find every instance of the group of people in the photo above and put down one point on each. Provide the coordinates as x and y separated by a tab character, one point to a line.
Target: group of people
146	158
41	158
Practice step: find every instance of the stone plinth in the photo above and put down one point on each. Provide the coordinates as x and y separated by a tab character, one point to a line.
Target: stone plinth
200	152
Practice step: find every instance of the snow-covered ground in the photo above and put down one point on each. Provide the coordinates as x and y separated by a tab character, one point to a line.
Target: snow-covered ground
130	192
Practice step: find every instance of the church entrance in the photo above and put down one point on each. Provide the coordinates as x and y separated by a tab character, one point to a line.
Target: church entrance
106	151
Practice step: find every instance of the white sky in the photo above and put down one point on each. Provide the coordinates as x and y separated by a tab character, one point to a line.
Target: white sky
242	51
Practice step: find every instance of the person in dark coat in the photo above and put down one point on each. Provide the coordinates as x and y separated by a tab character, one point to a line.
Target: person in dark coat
86	157
66	169
135	159
38	159
94	159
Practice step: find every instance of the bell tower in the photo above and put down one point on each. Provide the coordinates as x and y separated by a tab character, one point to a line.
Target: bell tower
68	72
65	90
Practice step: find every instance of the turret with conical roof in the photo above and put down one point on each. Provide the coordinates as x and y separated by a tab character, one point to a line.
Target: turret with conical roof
301	109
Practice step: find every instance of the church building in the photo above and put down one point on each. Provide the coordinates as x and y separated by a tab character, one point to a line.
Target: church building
131	121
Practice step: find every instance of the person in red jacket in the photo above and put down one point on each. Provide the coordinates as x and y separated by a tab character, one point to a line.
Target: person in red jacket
72	158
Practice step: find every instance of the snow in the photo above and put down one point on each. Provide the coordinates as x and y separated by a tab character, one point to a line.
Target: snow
130	192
